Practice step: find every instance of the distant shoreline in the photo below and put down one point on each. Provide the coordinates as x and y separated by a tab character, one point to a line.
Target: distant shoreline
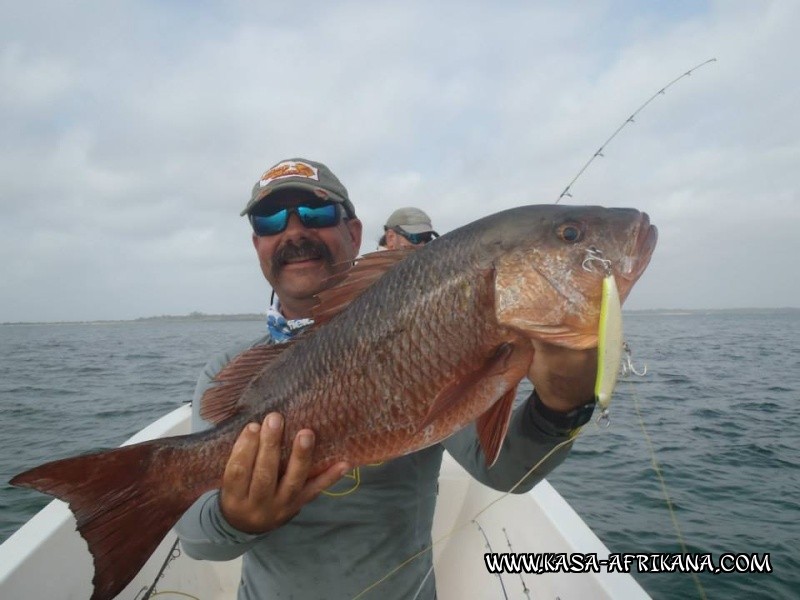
712	311
197	316
160	318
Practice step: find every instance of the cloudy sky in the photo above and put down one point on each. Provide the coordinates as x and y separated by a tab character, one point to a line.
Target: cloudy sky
132	132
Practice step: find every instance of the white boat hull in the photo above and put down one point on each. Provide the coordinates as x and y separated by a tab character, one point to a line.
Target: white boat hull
46	558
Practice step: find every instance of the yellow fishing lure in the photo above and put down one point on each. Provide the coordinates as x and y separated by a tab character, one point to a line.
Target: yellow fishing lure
609	343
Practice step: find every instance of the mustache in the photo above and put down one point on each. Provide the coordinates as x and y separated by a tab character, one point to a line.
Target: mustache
303	249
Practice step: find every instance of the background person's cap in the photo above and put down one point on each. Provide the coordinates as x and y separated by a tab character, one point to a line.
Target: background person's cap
304	175
410	220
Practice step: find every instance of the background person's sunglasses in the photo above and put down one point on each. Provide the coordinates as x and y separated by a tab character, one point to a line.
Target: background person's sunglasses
416	238
313	217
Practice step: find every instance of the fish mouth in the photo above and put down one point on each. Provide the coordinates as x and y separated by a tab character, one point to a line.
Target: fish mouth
634	263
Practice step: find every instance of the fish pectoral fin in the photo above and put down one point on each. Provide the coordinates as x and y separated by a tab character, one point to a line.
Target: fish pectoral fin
222	401
457	390
496	380
367	270
492	426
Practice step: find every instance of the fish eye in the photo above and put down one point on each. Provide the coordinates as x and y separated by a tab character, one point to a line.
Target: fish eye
570	232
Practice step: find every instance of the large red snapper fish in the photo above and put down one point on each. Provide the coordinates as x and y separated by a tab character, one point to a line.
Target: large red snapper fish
407	349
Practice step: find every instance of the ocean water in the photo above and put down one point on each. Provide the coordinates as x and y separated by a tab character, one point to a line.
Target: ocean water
720	404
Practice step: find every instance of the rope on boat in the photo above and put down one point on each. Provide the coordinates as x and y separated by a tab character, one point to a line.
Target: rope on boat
489	548
174	552
525	589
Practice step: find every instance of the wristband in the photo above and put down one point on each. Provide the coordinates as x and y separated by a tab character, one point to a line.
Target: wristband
573	419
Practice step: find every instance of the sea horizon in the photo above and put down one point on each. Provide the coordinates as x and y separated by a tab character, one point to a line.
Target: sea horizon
201	316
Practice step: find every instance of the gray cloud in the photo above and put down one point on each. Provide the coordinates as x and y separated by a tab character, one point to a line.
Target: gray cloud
132	134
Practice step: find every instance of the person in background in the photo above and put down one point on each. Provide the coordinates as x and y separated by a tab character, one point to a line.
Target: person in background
336	534
407	227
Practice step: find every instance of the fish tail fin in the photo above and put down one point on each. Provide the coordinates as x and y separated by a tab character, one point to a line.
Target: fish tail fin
124	501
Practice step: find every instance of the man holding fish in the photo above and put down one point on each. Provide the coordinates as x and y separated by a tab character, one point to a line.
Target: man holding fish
297	542
318	447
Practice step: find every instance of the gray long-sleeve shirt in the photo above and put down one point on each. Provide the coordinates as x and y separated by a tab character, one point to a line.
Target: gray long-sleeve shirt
368	523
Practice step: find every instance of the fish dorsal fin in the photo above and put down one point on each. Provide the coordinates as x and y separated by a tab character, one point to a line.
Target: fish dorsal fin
222	401
492	426
367	270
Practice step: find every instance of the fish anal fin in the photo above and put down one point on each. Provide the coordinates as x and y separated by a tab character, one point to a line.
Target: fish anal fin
492	426
367	270
222	400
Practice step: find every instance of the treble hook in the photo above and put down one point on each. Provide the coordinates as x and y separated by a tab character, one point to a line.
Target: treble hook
627	366
595	255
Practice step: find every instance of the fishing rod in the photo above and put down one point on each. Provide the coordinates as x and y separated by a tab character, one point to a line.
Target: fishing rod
599	151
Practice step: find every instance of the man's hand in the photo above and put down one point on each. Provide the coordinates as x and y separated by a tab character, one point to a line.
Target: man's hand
253	498
564	379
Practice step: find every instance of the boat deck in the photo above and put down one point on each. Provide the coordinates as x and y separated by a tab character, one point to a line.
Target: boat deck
46	558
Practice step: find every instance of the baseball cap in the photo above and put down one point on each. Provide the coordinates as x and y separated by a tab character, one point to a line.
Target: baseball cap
300	174
411	220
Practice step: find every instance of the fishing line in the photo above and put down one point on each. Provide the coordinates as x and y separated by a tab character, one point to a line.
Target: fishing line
177	593
663	484
458	527
599	151
356	476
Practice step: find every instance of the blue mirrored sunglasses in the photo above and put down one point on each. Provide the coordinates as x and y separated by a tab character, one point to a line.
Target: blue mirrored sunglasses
313	217
416	238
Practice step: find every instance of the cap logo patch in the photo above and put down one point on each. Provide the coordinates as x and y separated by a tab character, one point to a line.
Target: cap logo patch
289	169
